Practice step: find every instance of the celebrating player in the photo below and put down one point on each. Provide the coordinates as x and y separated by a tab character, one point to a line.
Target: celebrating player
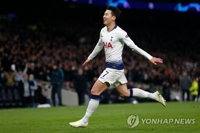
112	39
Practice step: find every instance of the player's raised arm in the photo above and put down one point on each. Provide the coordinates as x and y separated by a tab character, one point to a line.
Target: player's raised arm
127	40
96	50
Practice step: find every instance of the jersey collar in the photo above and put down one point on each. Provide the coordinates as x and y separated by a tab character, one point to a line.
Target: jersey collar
114	27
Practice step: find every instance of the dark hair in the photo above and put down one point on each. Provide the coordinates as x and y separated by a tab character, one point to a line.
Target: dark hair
115	11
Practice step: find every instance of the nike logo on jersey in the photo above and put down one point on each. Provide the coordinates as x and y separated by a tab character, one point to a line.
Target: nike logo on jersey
107	45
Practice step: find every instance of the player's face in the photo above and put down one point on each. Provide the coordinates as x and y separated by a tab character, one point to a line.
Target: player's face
108	17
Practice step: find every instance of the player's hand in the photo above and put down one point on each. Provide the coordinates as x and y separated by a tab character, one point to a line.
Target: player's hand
87	62
155	60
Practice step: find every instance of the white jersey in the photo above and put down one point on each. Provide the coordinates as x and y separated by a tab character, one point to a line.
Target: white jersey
113	44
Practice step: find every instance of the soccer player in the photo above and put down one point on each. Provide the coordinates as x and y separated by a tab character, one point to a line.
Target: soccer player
112	39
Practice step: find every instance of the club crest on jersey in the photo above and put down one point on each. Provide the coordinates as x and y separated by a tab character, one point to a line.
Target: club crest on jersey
107	45
111	38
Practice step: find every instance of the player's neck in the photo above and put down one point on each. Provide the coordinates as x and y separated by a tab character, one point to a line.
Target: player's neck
111	26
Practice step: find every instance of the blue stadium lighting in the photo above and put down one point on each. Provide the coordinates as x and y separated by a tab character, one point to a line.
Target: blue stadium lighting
185	8
115	3
127	4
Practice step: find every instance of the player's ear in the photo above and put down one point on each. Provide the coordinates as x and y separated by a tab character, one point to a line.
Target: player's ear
113	17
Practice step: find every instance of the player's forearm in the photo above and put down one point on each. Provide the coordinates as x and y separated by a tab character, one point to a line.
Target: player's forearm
139	50
96	50
144	53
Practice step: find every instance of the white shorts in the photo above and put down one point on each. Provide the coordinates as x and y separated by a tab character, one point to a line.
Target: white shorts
113	77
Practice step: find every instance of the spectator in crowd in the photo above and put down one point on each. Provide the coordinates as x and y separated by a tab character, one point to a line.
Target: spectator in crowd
9	83
1	78
185	83
80	85
62	73
19	73
27	86
41	95
166	90
57	78
194	89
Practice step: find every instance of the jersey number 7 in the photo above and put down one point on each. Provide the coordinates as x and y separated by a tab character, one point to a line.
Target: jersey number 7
105	74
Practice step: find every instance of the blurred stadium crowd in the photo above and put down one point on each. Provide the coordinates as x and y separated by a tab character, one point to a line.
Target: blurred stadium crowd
35	44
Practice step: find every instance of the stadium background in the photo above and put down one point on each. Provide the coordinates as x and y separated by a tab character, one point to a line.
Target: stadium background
67	31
